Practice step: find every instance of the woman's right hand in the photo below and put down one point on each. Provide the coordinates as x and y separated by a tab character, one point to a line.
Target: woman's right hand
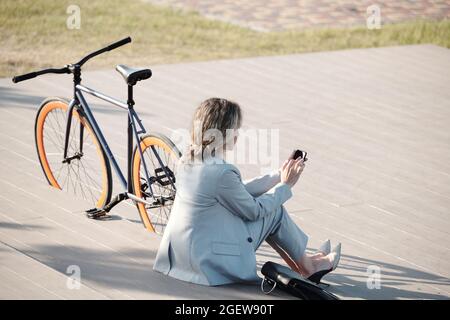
291	171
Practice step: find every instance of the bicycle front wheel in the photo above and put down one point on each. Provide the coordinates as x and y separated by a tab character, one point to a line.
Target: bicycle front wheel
86	173
161	192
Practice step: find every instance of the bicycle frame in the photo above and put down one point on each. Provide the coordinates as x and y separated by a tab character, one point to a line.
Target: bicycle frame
80	103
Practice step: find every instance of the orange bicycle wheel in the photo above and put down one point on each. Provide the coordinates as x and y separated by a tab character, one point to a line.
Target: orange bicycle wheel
155	216
88	174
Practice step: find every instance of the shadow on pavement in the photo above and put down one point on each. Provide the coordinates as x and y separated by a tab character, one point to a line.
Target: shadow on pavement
105	272
353	284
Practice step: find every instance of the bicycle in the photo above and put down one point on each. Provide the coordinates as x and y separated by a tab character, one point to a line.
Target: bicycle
75	156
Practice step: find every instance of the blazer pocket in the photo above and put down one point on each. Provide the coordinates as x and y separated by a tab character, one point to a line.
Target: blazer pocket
226	248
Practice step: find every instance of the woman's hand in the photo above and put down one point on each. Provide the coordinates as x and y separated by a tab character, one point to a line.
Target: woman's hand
291	171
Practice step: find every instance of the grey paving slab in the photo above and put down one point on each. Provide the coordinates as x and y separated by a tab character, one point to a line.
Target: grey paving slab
23	277
375	124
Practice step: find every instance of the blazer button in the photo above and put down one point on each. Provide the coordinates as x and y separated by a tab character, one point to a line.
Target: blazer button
249	239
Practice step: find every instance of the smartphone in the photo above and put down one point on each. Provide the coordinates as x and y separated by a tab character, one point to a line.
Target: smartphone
299	154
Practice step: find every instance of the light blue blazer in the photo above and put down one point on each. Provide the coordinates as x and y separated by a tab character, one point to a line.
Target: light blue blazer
206	240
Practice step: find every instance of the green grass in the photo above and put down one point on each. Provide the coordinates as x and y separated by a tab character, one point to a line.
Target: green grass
33	35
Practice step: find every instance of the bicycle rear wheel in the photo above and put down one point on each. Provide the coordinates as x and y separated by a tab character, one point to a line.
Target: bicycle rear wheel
88	174
155	217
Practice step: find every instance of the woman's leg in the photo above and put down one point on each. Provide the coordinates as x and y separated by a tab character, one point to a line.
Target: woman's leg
289	241
291	263
308	264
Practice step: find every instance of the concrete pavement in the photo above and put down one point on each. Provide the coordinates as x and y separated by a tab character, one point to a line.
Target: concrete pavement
375	124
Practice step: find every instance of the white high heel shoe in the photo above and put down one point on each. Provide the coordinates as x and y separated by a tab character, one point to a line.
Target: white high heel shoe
325	247
316	277
336	250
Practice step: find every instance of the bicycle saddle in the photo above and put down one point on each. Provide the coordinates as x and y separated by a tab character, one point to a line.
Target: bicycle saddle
133	75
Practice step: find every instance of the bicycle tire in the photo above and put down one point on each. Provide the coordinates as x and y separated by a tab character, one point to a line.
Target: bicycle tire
42	147
164	143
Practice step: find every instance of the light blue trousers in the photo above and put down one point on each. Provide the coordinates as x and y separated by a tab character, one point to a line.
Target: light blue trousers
281	229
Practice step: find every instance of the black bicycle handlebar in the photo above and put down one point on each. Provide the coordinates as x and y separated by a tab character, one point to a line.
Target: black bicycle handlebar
24	77
38	73
31	75
119	43
105	49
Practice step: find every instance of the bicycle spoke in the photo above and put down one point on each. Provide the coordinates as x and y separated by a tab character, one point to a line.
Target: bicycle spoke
82	174
81	189
159	215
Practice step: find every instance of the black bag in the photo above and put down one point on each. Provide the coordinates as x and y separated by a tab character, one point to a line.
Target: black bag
291	282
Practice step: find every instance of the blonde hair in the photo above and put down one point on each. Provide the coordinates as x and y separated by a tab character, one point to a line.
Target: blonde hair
213	113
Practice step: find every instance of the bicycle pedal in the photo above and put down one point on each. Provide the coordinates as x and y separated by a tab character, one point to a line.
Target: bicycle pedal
98	214
162	178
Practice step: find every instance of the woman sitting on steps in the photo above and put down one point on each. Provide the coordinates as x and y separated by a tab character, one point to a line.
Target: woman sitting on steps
218	221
